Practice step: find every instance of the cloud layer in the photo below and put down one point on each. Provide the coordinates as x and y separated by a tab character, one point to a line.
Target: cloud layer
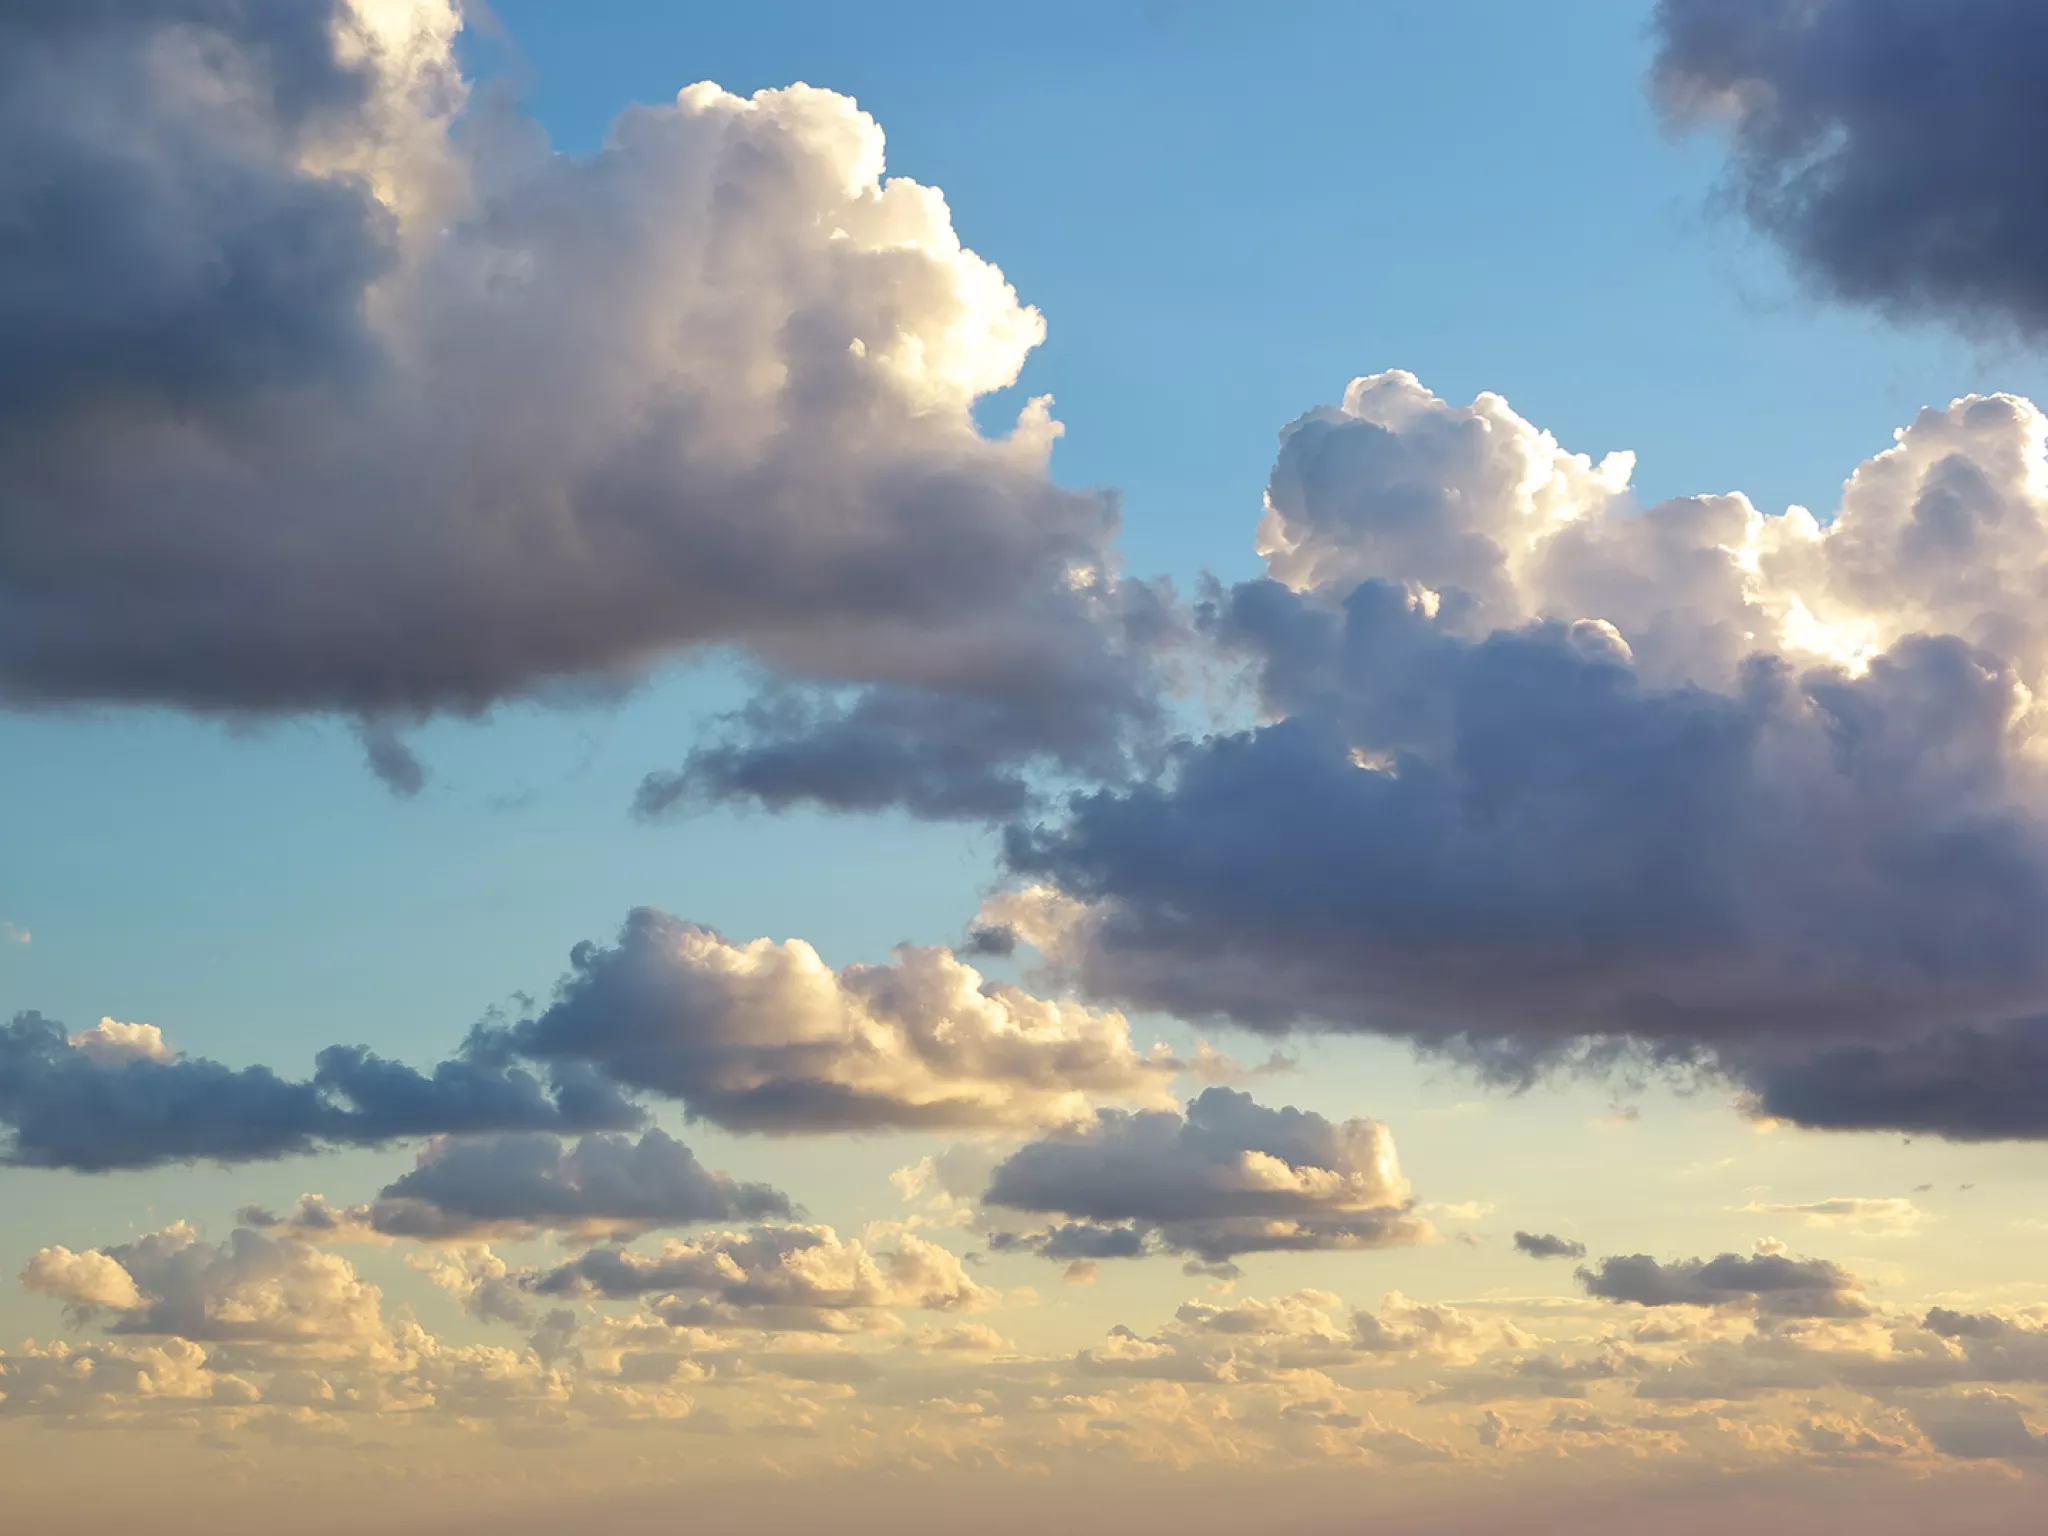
764	1036
117	1096
521	1183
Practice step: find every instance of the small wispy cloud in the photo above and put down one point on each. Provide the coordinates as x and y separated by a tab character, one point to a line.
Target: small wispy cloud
1892	1216
1464	1210
10	934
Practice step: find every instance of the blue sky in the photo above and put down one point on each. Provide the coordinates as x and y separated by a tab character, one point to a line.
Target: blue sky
1224	214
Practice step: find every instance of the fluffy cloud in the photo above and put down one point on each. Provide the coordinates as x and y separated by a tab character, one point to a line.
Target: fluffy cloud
88	1280
116	1096
1542	1245
1894	150
1772	1284
766	1036
517	1184
252	1289
1230	1177
775	1277
329	388
1543	772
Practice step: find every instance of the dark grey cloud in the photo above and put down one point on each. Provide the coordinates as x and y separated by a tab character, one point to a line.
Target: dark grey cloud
518	1183
531	1180
71	1102
1560	848
1895	149
1979	1426
1544	778
1072	1240
324	387
1542	1245
1965	1084
948	754
1230	1177
1771	1284
165	246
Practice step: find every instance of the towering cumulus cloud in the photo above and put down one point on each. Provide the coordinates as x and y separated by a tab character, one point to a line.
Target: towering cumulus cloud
324	387
1543	771
1895	149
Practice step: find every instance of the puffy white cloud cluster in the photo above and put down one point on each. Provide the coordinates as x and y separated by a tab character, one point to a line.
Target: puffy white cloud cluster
1539	764
764	1035
251	1289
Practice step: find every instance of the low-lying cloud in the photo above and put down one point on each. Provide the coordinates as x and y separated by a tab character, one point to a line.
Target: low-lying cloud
1228	1178
1894	150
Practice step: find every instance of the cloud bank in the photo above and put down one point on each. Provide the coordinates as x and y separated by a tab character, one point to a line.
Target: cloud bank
522	1183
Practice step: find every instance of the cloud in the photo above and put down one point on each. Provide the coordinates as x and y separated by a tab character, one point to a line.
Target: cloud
1771	1284
251	1289
530	1180
1548	777
10	934
88	1280
117	1096
765	1036
517	1184
775	1277
1541	1245
329	386
1230	1177
1980	1426
111	1043
1892	150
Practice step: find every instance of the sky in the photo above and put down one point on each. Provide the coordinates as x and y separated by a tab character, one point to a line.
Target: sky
1130	765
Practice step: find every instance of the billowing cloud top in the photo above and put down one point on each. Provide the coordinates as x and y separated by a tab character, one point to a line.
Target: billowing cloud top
1230	1177
1540	765
328	388
1894	149
766	1036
